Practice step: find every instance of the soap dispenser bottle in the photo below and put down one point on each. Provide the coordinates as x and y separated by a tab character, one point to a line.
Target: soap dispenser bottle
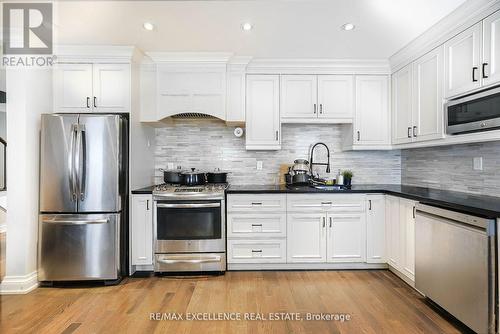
340	178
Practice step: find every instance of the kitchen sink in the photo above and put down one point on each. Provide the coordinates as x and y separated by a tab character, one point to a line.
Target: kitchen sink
335	187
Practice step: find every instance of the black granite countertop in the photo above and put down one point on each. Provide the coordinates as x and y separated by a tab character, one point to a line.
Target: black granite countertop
143	191
485	206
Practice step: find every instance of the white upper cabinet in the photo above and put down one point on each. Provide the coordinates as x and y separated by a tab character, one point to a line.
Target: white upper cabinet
490	68
298	96
462	61
375	229
371	121
73	88
317	98
80	88
428	96
402	122
263	112
111	87
336	97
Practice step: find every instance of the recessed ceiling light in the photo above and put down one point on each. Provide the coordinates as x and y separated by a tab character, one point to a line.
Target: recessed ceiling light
246	26
148	26
348	26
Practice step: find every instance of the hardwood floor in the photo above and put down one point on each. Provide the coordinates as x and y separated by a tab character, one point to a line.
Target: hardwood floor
377	302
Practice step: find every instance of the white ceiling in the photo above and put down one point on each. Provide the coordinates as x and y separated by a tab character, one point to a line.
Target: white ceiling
282	28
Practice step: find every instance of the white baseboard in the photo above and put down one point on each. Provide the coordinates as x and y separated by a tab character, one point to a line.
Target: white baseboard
15	285
304	266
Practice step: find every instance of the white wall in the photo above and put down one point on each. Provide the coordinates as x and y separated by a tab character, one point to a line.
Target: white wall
30	95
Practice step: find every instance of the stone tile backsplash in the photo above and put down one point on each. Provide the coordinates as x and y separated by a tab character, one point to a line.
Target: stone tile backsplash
450	168
210	144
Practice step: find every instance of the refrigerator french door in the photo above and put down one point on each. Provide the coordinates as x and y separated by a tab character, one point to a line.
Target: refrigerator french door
83	176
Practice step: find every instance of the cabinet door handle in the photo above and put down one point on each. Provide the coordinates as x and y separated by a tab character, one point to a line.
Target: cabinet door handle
277	135
88	102
484	70
474	69
95	102
324	222
331	222
359	136
414	212
409	132
321	108
370	204
315	108
256	250
257	225
147	205
414	131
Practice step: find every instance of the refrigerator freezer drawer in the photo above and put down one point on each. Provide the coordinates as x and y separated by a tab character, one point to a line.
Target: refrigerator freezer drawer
78	247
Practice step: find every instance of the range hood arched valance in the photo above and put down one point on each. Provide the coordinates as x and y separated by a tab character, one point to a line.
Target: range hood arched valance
191	85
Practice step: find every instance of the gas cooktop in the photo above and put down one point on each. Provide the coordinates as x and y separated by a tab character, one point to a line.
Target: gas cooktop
209	190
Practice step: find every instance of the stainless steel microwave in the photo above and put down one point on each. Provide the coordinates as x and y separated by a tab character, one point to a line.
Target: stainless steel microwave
472	113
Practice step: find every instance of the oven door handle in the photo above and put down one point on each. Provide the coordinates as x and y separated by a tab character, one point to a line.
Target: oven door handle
203	260
188	205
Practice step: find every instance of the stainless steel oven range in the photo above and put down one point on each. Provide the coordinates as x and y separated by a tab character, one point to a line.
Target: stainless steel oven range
190	228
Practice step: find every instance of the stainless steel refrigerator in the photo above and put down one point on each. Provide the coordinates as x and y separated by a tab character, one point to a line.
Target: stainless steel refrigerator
83	190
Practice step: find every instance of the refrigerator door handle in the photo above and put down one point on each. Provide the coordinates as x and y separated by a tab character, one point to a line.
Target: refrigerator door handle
71	163
76	222
82	161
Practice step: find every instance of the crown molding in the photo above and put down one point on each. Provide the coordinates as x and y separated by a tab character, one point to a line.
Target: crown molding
466	15
318	66
96	53
190	57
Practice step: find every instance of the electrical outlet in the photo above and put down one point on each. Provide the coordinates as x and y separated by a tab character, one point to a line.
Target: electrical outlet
477	163
170	165
259	165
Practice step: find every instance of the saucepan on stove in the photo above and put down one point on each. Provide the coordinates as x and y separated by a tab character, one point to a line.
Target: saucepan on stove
193	178
217	176
172	176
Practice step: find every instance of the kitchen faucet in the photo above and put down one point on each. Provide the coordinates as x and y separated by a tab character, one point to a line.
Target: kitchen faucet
311	159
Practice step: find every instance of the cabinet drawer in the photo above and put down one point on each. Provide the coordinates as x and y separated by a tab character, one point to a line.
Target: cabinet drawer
256	251
256	203
330	203
256	225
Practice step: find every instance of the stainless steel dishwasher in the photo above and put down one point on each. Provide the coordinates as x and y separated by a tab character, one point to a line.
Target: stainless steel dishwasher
456	264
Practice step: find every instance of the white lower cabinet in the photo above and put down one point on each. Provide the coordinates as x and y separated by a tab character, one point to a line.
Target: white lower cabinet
375	229
256	251
306	237
141	230
326	228
400	219
256	229
346	240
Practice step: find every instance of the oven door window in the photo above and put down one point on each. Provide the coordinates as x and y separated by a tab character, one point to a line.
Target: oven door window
188	220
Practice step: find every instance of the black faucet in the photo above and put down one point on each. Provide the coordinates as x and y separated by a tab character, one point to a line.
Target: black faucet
312	163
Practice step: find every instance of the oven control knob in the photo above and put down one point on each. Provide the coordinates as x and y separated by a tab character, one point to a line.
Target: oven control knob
483	124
